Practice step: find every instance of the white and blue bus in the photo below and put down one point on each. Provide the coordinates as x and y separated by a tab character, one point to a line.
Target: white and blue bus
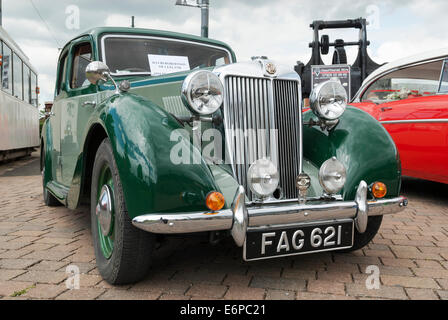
19	112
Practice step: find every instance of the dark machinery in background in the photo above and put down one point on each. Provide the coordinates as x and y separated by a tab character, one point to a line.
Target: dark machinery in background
360	69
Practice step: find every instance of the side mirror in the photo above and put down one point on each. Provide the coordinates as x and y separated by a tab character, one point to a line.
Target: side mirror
97	71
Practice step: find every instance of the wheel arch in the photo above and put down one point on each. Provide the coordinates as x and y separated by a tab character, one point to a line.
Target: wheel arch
97	134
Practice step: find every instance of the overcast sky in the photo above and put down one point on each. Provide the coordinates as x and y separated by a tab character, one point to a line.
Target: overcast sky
278	29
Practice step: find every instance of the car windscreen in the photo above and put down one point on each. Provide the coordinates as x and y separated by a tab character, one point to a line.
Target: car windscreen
410	82
141	55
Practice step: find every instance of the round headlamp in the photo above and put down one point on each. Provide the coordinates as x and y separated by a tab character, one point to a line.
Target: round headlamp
202	92
263	178
332	176
329	100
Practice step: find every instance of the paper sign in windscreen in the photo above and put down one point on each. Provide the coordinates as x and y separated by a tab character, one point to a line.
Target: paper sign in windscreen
167	64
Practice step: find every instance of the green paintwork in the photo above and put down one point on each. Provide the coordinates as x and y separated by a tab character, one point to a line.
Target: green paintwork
139	125
226	182
315	190
151	183
364	147
140	133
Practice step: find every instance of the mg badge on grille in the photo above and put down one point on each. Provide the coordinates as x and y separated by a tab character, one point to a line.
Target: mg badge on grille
271	68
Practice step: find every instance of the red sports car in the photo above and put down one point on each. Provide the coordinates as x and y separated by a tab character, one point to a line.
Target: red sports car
410	98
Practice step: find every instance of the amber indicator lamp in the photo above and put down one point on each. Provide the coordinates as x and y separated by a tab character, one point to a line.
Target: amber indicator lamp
379	190
215	201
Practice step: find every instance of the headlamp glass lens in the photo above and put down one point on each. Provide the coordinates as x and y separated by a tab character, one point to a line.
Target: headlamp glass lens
203	92
332	176
263	178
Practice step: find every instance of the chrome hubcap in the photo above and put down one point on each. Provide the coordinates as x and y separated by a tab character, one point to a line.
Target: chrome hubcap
104	210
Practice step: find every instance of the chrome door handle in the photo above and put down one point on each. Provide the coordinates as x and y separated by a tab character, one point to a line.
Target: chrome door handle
386	109
89	103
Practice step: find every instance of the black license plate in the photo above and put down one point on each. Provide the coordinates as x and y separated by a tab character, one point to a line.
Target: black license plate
299	239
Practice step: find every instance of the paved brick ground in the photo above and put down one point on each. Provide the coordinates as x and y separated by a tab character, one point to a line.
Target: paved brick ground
38	243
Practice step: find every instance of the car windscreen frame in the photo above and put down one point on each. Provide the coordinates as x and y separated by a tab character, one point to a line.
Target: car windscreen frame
132	36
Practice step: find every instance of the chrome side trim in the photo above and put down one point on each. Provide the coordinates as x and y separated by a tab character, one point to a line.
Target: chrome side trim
415	121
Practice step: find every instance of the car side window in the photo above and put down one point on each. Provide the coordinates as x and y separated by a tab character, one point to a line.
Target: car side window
62	73
81	58
444	78
415	81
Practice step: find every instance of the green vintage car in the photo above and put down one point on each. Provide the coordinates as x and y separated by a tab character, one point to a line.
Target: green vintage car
166	133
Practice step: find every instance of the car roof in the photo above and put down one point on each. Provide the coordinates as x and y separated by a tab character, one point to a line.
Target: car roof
99	31
428	55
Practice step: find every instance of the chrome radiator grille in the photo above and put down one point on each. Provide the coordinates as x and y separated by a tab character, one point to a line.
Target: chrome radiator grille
262	120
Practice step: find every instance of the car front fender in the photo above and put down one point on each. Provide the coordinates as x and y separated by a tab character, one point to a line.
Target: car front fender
362	144
141	134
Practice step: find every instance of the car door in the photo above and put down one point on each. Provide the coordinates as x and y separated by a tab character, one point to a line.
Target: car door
414	120
77	107
55	118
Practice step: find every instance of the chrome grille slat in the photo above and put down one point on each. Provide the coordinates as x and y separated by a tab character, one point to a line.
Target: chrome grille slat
255	104
254	141
288	125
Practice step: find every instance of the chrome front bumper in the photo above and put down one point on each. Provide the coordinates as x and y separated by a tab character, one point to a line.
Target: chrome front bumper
241	217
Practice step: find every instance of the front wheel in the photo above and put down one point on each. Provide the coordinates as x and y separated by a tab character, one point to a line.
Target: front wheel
363	239
123	252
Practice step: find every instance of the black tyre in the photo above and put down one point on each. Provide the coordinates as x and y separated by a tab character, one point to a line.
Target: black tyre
339	56
325	44
123	252
363	239
49	199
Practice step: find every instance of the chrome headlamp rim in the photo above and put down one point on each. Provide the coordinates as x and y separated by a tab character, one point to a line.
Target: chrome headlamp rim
325	173
316	99
186	93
